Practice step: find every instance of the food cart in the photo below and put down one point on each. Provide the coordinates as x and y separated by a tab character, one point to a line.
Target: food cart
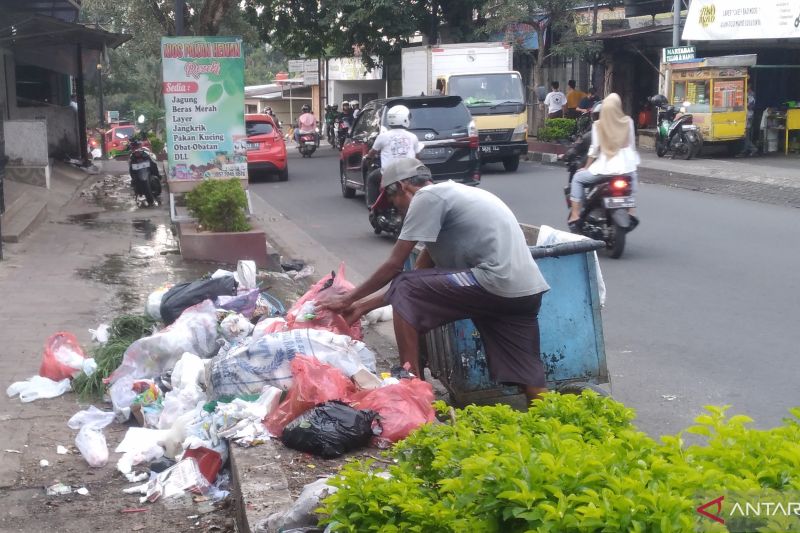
716	89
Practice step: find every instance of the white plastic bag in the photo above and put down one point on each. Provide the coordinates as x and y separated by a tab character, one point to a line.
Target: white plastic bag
90	439
381	314
195	331
153	306
38	387
548	235
235	327
301	514
188	376
101	334
246	274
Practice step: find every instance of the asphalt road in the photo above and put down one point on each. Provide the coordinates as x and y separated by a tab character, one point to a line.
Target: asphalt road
702	308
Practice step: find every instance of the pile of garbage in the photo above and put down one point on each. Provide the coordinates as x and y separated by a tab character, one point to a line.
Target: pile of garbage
227	363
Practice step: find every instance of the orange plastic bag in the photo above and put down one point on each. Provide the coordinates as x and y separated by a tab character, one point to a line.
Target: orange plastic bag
314	383
403	407
63	357
304	314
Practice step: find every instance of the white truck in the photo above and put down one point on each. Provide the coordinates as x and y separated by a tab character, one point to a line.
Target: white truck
481	73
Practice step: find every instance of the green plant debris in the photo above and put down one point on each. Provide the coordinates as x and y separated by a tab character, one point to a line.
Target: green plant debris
570	464
124	331
556	129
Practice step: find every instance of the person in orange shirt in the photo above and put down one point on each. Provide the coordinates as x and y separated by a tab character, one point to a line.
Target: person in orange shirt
574	98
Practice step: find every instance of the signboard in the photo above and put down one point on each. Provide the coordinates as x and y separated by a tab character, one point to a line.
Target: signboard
352	68
679	53
311	78
204	100
304	65
296	65
712	20
112	116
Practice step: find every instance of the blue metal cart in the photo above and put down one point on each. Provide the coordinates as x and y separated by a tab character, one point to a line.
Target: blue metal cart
570	324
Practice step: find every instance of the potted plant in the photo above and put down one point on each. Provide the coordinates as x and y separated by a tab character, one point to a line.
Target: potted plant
222	231
554	136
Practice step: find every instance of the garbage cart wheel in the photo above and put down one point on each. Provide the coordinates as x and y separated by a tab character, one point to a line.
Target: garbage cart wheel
578	387
616	245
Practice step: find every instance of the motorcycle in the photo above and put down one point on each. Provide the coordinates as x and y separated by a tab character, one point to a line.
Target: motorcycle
145	177
307	142
387	220
676	132
604	213
341	126
330	116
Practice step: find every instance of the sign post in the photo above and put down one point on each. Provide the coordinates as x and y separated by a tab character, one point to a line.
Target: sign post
204	101
679	53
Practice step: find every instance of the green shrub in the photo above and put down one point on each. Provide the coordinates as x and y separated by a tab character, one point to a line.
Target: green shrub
571	463
156	144
556	129
219	205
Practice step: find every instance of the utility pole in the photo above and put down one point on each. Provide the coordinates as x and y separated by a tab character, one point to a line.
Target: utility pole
179	7
102	108
676	23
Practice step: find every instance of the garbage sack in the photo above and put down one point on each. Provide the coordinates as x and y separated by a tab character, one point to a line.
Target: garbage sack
90	439
329	430
63	357
302	512
208	461
266	361
185	295
305	313
243	303
37	387
153	306
268	306
402	407
195	332
314	383
235	327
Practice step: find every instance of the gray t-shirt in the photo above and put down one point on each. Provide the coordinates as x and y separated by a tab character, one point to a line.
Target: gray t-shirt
467	227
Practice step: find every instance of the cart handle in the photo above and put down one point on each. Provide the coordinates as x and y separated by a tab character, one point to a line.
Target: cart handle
566	248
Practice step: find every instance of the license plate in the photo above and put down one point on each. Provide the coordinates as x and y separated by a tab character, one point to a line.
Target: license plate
616	202
689	127
430	153
252	146
488	149
310	143
140	166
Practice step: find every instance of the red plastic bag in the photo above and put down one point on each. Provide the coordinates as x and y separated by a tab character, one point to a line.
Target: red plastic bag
314	383
62	358
305	315
403	407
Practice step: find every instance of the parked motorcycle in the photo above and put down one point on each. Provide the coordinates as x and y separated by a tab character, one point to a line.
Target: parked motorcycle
307	142
676	132
604	214
143	169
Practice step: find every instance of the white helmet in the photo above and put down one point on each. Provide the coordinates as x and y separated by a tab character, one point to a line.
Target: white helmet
398	115
354	103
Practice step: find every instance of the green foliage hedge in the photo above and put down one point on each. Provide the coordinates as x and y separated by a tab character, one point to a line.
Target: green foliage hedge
556	129
156	144
570	464
219	205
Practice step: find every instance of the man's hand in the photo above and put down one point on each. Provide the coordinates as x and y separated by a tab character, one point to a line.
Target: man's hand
338	303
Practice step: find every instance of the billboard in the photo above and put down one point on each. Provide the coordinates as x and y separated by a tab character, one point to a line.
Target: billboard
721	20
203	92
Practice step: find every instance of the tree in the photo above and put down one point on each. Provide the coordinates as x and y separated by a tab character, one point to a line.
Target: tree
555	22
344	28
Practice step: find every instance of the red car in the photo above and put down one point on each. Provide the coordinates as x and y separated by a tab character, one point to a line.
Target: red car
266	149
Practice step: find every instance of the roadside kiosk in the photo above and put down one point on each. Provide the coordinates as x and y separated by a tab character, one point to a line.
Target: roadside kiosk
716	88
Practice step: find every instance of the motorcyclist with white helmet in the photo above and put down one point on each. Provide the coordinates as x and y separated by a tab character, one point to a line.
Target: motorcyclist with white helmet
395	143
356	108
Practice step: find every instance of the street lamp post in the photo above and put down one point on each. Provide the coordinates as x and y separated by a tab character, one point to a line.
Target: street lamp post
102	110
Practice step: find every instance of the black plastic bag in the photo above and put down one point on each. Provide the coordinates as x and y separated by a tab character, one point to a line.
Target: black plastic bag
184	295
329	430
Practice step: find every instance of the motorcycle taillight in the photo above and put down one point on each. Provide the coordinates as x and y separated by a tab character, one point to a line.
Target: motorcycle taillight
620	186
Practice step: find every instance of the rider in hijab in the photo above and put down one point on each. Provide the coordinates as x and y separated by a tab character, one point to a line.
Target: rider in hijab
612	152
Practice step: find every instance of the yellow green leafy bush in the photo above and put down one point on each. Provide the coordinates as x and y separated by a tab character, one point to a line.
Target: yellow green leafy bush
571	463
